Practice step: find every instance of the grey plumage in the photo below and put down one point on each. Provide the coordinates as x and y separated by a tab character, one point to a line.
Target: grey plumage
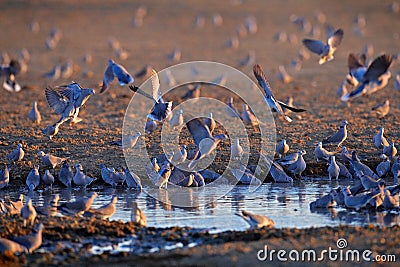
231	110
248	117
51	130
34	114
383	167
79	206
33	178
50	160
17	154
326	201
132	180
333	168
128	141
31	241
47	178
66	174
382	109
137	215
321	153
104	212
115	70
298	166
28	212
4	177
255	220
50	208
325	51
390	151
379	139
80	178
282	148
210	122
339	137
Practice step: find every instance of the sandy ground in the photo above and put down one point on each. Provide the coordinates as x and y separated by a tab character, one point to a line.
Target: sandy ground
88	25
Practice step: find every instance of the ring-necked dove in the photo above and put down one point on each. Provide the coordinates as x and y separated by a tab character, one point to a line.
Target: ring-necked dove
115	70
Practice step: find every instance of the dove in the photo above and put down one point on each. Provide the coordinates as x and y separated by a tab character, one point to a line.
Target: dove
14	207
361	167
129	141
31	241
232	42
66	100
33	178
333	168
169	78
397	82
356	202
80	178
277	172
161	109
379	139
357	68
383	167
66	174
145	71
236	150
321	153
346	155
256	221
390	151
50	160
373	79
339	137
150	126
396	170
231	111
205	142
11	246
163	175
175	55
382	109
54	74
179	156
48	179
132	180
325	51
249	60
17	154
220	80
11	68
342	89
282	148
107	174
34	114
118	71
11	85
4	177
248	118
296	165
176	120
250	24
51	130
28	212
244	176
390	201
79	206
104	212
193	93
326	201
54	38
283	75
269	98
210	122
368	182
67	69
137	216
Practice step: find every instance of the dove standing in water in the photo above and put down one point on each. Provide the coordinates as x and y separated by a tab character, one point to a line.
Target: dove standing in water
256	221
48	179
339	137
161	109
66	174
277	172
325	51
33	178
67	100
32	241
80	178
282	148
373	79
132	180
396	170
34	114
17	154
380	140
382	109
78	206
50	208
28	213
104	212
115	70
137	215
4	177
333	168
297	165
269	97
236	150
248	117
176	120
164	174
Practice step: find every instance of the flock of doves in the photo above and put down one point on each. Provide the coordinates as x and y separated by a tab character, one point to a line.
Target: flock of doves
369	189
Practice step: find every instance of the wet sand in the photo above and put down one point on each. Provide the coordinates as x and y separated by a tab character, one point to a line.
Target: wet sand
88	25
